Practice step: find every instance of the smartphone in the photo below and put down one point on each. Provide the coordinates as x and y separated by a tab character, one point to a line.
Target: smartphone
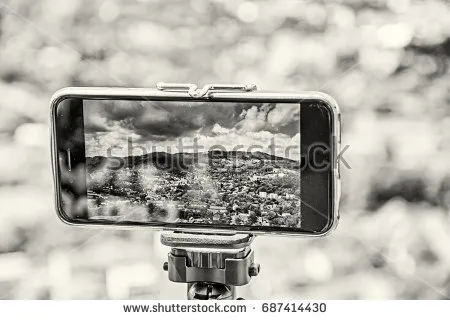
247	162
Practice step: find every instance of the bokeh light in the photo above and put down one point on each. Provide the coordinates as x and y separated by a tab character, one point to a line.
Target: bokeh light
386	63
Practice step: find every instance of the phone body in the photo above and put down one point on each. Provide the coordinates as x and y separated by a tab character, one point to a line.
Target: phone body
219	189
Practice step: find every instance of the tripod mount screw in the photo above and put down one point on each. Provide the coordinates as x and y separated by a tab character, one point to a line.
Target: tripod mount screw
254	269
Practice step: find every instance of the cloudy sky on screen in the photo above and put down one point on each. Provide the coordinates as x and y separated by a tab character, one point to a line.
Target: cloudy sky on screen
161	125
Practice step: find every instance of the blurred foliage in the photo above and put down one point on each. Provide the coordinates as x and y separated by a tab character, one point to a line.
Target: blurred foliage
385	61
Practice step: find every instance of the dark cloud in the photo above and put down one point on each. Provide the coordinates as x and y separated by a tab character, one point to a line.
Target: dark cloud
120	110
160	120
104	116
92	127
93	122
175	119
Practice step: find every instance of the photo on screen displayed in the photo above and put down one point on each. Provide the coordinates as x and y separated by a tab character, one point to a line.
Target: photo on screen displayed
222	163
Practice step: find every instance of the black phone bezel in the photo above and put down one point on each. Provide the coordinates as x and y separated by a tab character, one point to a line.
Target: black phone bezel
318	187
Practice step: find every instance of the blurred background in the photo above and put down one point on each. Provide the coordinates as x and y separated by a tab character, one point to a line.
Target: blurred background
385	61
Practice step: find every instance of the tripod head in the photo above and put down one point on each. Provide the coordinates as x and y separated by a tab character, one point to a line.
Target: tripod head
211	265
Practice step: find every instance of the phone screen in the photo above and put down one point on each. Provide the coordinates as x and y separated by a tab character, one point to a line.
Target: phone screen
246	165
188	162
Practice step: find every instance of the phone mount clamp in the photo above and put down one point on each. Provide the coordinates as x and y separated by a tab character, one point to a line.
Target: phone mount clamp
195	92
211	265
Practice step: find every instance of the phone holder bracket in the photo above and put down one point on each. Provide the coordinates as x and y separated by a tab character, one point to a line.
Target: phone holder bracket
212	265
195	92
